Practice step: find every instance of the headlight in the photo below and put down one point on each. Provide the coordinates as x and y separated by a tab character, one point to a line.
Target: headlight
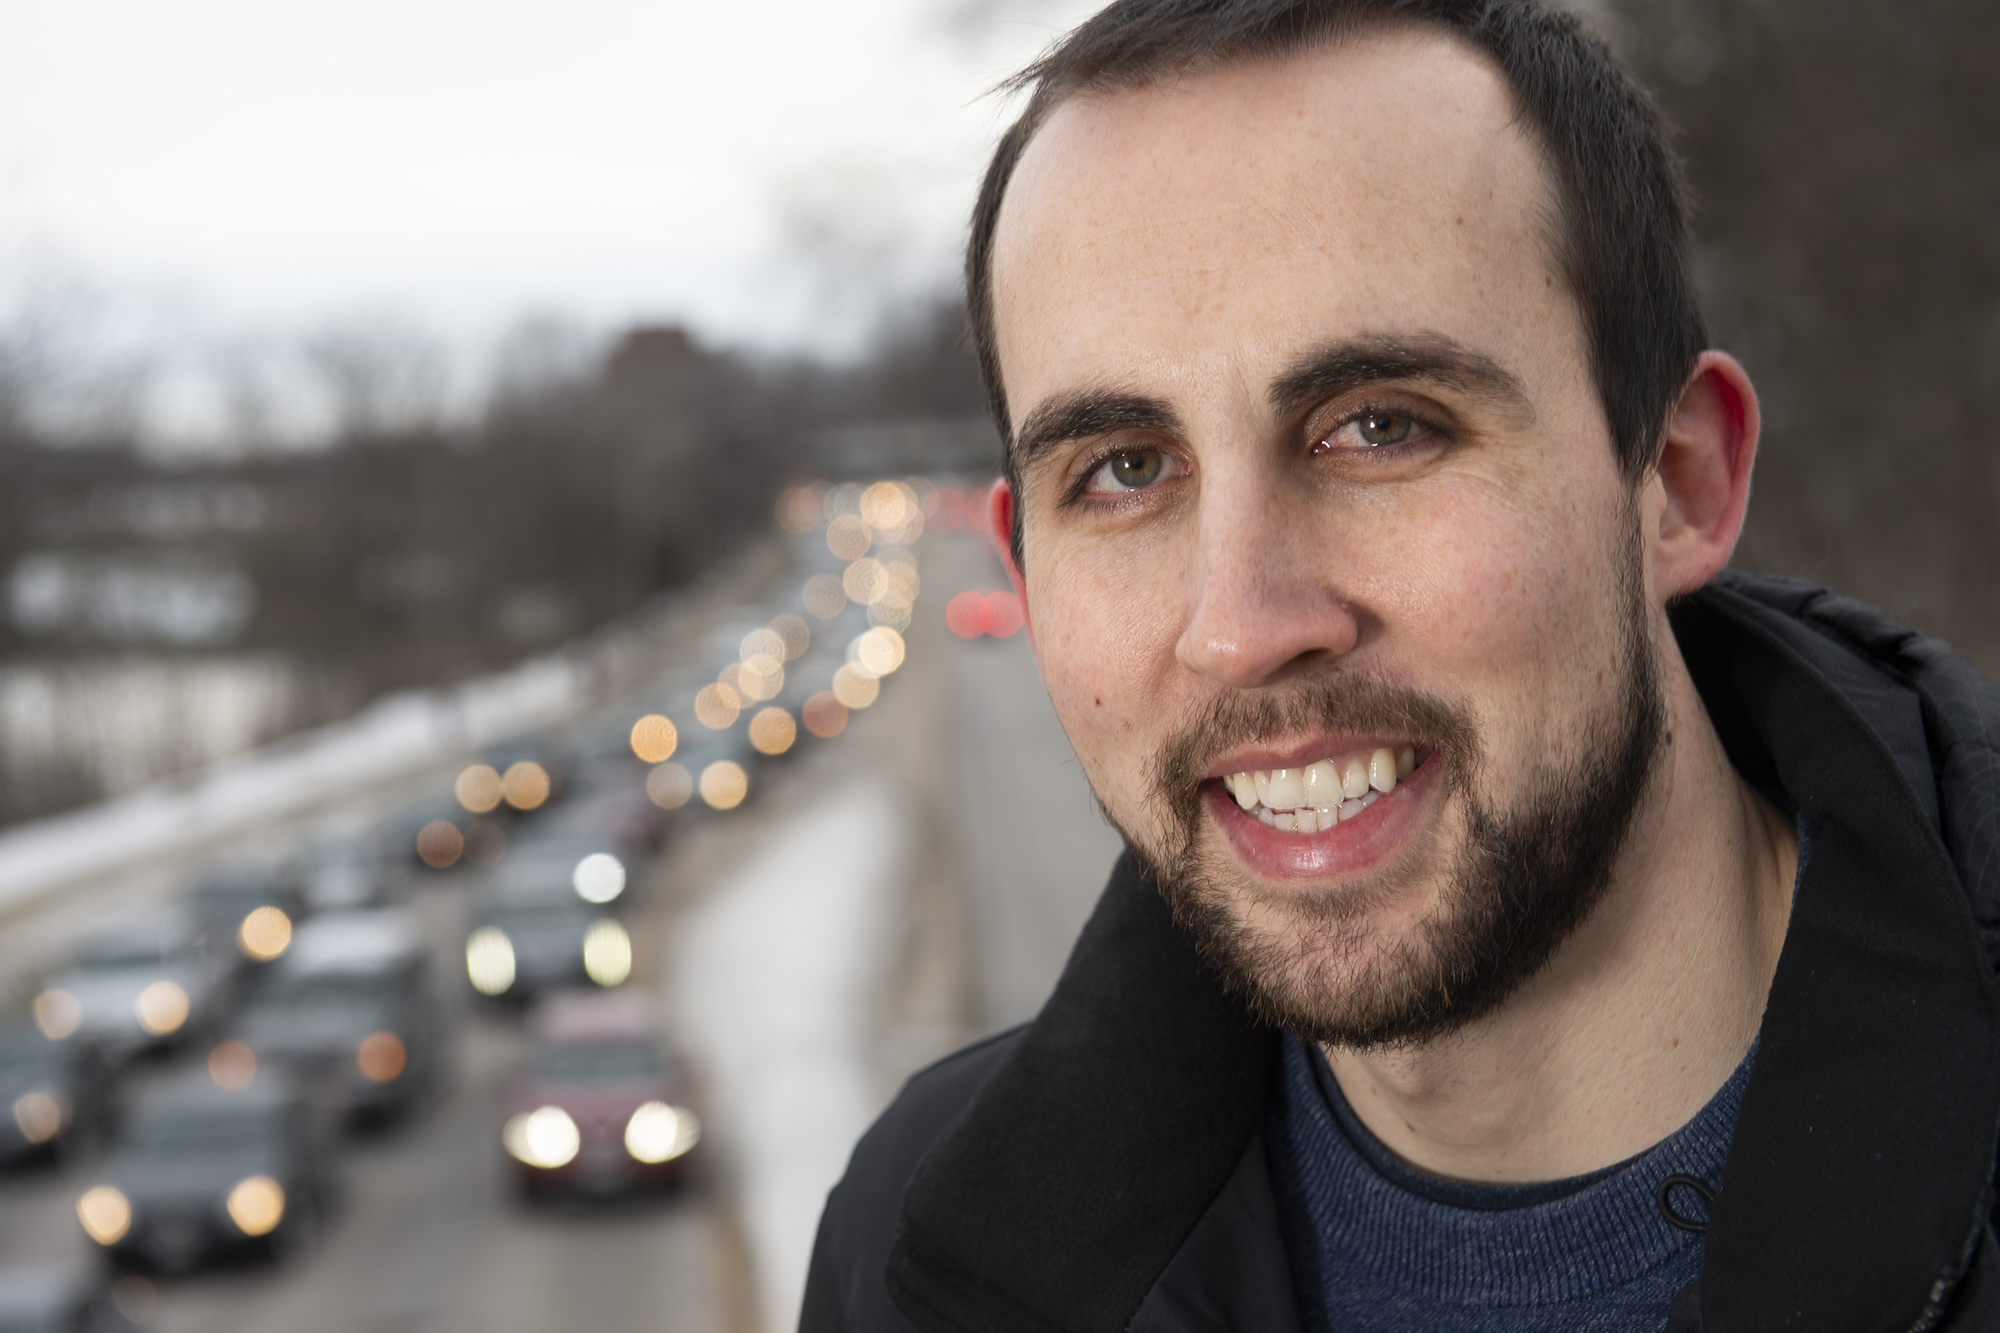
598	878
264	934
546	1138
381	1056
161	1008
658	1132
58	1014
257	1205
105	1213
607	953
40	1115
489	960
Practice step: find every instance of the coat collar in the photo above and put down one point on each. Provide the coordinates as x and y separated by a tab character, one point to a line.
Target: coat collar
1860	1175
1860	1178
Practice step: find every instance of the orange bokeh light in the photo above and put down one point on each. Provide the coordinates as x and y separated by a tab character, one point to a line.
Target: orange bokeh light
440	844
824	715
654	739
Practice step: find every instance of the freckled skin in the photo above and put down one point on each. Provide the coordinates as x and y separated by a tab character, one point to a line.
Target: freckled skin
1190	241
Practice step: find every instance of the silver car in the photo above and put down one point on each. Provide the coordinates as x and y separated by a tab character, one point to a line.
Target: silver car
143	985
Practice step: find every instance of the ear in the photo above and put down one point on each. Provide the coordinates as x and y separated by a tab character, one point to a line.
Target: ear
1702	487
1000	527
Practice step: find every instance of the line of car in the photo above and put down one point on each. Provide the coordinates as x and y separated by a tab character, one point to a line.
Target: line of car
221	1046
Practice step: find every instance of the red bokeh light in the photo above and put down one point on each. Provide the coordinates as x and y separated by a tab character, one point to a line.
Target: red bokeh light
964	613
971	614
1000	614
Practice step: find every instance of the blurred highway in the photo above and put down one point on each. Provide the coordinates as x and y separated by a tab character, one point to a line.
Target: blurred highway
890	892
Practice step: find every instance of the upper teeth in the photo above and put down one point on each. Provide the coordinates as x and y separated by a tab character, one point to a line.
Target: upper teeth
1320	795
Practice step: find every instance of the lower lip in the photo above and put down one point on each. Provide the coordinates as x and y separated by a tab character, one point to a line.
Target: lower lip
1352	845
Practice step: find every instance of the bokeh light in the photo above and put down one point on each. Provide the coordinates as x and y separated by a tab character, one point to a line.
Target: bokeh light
526	785
598	878
545	1138
161	1008
893	610
232	1065
1001	614
724	784
971	614
865	581
962	615
717	706
105	1213
765	642
893	511
265	934
607	953
440	844
842	499
381	1057
823	597
848	537
772	731
824	715
478	788
877	652
760	677
669	786
58	1014
795	634
654	739
256	1205
489	960
658	1132
798	509
855	688
39	1116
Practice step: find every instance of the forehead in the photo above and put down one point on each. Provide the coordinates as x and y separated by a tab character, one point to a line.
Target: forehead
1202	226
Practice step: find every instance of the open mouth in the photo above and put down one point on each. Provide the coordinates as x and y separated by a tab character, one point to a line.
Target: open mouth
1315	797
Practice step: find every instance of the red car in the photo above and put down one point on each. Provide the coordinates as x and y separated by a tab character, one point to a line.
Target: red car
598	1105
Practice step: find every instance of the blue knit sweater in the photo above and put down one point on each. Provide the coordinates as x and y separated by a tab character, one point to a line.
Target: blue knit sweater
1378	1245
1395	1249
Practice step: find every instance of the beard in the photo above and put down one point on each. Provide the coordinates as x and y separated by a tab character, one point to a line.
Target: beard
1521	881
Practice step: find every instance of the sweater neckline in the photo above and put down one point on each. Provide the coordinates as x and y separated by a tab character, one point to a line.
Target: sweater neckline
1492	1245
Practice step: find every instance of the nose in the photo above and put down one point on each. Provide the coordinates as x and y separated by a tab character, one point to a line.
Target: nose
1265	600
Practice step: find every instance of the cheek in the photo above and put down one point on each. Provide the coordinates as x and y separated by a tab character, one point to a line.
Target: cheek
1511	602
1105	631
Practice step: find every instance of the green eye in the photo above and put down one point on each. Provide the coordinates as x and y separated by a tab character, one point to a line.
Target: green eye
1136	470
1379	428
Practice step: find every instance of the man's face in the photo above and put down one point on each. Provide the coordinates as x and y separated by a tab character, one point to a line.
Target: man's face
1318	500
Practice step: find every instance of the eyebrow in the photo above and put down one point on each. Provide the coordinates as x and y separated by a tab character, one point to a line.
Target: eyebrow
1087	413
1353	363
1335	368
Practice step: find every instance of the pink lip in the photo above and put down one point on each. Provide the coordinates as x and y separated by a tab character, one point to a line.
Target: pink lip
1372	837
1301	754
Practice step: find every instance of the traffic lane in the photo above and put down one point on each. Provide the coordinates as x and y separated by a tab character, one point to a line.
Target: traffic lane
428	1234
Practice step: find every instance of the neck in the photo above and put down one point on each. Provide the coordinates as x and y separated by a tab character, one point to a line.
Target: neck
1640	1017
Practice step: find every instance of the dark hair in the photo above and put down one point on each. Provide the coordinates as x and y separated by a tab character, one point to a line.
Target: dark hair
1622	204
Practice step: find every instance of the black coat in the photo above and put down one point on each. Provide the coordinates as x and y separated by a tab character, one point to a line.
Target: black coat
1101	1169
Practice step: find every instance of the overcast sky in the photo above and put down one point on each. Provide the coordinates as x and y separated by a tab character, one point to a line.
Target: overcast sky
230	168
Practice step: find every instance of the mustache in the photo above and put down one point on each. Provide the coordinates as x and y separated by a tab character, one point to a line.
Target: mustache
1334	702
